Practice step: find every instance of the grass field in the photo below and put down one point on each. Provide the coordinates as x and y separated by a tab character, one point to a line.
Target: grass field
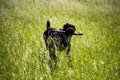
95	55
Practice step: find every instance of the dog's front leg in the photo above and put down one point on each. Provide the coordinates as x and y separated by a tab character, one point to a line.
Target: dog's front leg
68	51
53	60
52	54
69	56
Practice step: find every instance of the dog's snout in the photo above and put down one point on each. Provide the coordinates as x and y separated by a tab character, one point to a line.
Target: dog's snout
70	31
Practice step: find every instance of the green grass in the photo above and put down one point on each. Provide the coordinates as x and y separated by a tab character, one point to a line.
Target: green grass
95	55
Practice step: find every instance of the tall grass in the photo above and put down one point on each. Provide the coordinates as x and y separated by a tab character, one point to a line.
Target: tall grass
95	55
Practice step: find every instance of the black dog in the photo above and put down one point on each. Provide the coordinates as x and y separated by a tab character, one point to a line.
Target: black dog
59	39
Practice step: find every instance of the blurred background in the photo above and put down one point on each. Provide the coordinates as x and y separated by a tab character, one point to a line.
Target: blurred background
95	55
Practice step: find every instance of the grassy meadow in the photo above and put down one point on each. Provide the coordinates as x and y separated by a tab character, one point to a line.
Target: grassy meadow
95	55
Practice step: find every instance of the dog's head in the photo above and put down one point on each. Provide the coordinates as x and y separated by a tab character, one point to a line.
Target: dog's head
70	29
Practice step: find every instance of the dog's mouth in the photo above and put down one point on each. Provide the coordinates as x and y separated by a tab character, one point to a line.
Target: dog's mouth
70	31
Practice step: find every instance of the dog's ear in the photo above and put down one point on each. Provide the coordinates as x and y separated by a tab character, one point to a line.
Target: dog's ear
65	26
